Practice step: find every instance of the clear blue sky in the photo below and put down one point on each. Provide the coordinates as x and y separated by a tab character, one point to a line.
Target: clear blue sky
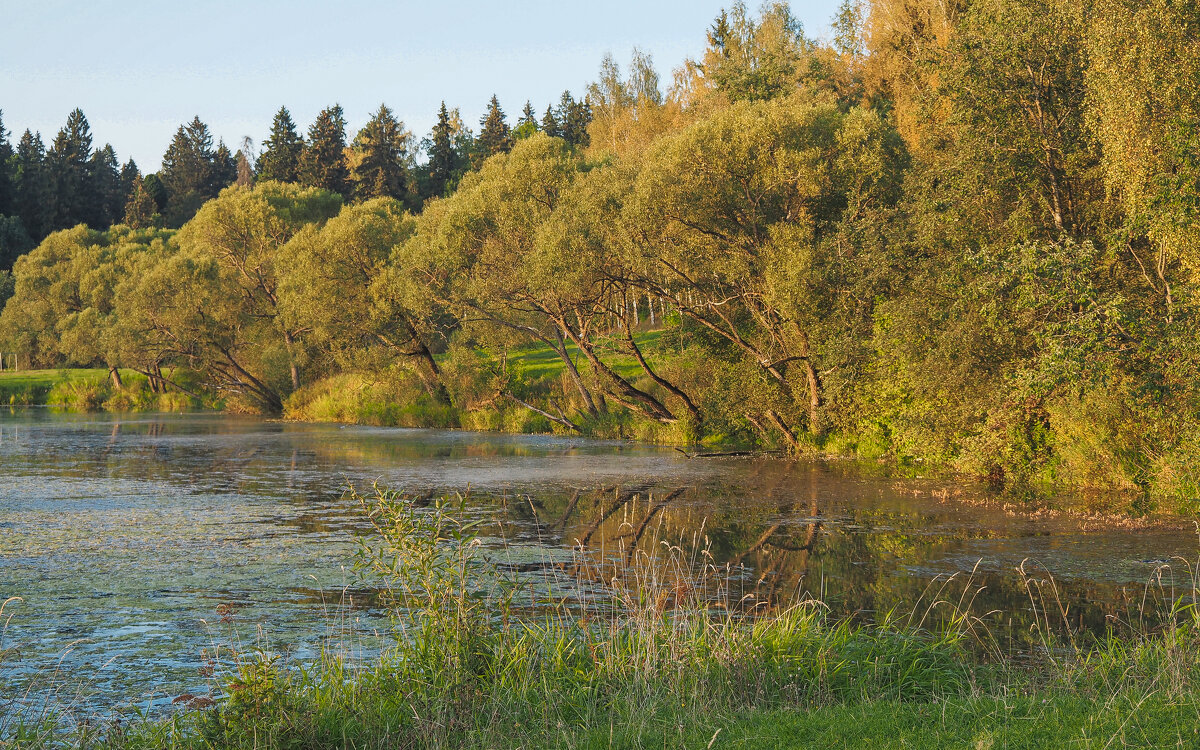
140	68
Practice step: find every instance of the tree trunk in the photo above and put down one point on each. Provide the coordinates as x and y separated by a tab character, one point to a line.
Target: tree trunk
814	386
622	389
588	402
115	375
289	341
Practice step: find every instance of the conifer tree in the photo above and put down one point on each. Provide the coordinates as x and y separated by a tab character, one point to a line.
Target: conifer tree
14	242
129	174
494	136
224	170
141	210
550	124
70	170
282	151
574	118
34	199
245	171
381	158
104	199
527	125
324	162
187	171
443	160
153	186
7	178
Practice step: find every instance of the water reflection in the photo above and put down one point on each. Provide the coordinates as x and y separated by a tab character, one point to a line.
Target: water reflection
130	532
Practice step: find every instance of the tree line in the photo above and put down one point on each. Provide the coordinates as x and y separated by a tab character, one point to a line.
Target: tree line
43	190
961	233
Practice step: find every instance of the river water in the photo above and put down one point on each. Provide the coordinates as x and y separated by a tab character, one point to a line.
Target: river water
140	546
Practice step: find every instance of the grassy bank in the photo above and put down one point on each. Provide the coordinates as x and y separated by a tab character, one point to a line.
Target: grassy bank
661	656
91	389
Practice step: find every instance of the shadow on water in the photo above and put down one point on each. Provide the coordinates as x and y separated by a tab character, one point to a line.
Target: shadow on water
125	534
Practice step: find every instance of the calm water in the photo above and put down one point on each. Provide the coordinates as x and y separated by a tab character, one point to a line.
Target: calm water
138	545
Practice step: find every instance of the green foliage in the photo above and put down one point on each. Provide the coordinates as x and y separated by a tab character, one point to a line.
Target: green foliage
960	236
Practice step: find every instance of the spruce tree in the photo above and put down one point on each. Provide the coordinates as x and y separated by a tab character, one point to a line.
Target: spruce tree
14	241
34	199
527	125
574	118
324	162
193	171
105	200
494	136
153	186
550	124
282	151
7	166
443	160
69	160
224	169
381	157
129	174
141	210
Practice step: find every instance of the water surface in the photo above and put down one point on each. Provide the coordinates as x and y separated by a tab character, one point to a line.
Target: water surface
141	545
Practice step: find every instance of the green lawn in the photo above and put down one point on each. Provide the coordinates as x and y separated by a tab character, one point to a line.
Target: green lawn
541	362
32	386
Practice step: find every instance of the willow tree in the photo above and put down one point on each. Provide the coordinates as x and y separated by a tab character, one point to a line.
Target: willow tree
1144	106
68	295
217	300
335	283
745	221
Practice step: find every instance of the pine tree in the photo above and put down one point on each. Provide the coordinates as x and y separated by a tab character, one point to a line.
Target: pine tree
7	167
443	160
68	161
324	162
381	157
34	200
550	124
282	151
494	136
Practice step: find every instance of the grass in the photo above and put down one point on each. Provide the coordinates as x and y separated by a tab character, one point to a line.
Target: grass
87	390
33	386
660	656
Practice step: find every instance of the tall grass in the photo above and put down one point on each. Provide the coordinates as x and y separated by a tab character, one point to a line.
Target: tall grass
652	644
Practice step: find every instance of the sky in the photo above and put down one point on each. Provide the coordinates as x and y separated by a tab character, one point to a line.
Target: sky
140	68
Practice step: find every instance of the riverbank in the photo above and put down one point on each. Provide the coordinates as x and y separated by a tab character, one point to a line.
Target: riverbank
663	655
91	389
397	398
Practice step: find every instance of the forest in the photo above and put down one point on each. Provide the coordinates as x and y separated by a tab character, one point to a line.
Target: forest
960	234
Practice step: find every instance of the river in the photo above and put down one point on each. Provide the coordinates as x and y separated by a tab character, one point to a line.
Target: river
141	545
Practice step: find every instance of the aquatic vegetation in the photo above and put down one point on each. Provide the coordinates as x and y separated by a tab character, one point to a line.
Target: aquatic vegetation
485	657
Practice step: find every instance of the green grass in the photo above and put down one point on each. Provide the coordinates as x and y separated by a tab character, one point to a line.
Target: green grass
89	389
33	386
659	658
